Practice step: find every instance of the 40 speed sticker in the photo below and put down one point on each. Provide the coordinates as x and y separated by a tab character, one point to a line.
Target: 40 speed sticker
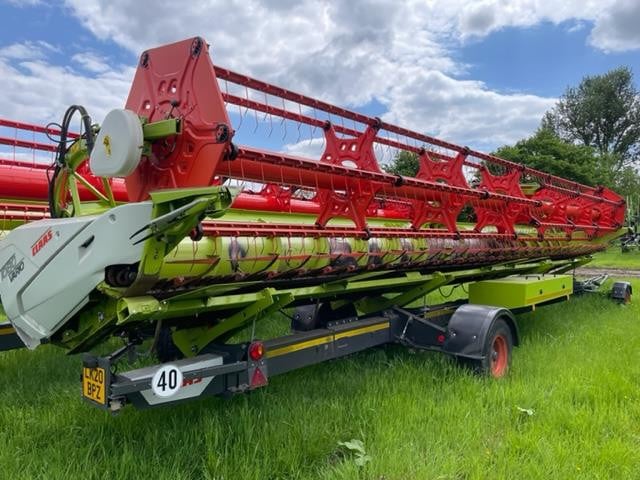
167	381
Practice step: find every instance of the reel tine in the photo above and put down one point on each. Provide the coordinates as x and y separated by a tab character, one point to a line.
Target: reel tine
299	124
266	102
255	129
246	93
241	117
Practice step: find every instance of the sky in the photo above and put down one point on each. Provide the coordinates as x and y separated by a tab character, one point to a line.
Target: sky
478	73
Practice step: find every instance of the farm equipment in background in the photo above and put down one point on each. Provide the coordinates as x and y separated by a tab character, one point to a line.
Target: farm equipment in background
157	225
630	241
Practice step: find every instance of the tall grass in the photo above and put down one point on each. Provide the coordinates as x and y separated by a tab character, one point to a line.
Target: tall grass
570	408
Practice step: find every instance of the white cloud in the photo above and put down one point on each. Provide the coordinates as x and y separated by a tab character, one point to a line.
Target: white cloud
27	50
576	27
41	91
25	3
483	17
92	62
309	148
478	19
615	22
618	28
464	110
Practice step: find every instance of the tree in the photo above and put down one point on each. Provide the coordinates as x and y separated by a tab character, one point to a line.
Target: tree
547	152
602	112
404	163
627	183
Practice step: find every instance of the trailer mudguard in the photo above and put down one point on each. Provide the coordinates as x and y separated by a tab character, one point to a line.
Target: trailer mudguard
622	291
468	328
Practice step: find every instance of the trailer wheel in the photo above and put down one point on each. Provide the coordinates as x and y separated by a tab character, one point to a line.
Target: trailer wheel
496	352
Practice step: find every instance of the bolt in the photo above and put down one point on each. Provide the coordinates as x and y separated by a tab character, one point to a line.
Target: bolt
144	60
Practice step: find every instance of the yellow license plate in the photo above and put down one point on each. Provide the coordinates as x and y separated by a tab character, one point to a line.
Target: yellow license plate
94	384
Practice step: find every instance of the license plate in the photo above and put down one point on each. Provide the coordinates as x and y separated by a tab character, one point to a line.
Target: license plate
94	384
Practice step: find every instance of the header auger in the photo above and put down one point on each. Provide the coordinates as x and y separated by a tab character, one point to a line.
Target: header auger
143	233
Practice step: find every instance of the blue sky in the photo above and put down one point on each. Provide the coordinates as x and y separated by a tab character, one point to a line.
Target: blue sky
478	73
543	59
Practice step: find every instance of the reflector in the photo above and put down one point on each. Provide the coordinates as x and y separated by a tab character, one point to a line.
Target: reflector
258	379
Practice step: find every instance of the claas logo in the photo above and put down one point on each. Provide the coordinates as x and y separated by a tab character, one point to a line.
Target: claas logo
41	242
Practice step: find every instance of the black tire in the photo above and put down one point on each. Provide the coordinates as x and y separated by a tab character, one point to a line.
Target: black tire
496	352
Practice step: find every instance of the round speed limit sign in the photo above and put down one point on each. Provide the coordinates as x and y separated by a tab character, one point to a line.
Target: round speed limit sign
166	381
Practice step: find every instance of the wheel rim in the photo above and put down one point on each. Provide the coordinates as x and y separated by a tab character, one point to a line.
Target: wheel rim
499	356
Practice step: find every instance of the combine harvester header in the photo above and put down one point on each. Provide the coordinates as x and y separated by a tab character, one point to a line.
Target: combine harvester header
137	231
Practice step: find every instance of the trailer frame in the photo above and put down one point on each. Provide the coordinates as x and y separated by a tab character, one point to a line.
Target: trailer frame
464	331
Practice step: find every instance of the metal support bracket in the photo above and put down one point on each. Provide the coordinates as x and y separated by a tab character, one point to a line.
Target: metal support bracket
191	341
377	304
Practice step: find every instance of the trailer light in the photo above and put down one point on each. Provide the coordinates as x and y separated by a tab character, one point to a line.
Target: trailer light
256	351
441	338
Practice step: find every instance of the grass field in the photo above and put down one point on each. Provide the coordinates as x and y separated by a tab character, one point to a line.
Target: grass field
570	408
613	257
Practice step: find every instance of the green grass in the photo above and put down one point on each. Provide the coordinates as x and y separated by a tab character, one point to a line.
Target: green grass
613	257
418	414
